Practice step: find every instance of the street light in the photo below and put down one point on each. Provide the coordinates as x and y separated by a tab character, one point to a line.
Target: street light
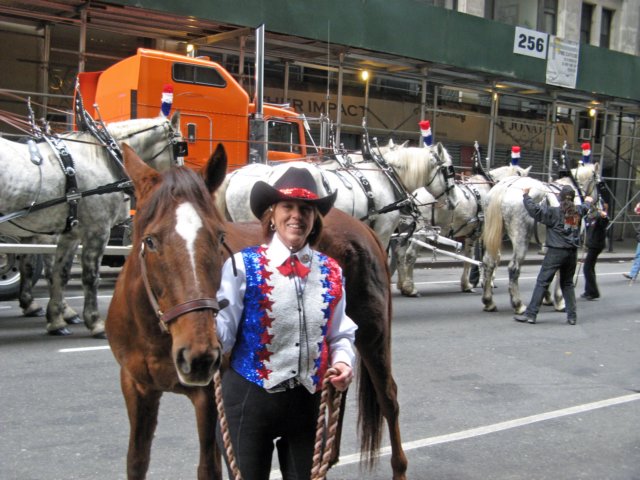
364	75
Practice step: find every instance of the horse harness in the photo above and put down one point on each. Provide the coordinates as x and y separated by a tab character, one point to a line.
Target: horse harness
72	195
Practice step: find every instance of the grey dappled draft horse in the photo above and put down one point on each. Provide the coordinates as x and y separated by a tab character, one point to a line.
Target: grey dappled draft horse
24	183
416	167
505	212
461	222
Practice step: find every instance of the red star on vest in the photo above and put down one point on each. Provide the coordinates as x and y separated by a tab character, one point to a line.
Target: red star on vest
265	288
264	355
264	373
265	338
266	321
266	304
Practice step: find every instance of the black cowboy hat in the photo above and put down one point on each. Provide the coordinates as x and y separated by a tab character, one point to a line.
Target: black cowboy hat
567	193
294	184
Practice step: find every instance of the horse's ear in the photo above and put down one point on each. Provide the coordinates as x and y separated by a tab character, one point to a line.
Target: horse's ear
175	120
527	170
216	168
144	177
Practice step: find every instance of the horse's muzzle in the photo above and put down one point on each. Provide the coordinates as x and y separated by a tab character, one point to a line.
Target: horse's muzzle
197	368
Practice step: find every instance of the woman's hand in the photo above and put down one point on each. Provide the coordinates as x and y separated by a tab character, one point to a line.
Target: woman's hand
343	376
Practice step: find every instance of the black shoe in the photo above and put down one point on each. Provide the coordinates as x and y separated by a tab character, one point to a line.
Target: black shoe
627	276
588	297
524	319
571	321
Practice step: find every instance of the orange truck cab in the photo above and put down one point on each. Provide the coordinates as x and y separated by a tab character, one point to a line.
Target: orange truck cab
213	106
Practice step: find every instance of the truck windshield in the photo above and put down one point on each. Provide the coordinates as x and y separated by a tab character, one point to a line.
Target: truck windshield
197	74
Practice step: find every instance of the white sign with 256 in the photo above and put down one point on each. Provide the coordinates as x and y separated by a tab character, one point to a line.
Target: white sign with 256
531	43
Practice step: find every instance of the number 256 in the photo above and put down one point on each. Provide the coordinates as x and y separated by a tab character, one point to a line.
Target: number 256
530	42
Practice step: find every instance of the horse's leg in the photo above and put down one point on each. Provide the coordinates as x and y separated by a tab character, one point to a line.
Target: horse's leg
407	256
489	263
61	271
519	252
142	408
93	247
465	284
69	315
558	298
210	463
30	308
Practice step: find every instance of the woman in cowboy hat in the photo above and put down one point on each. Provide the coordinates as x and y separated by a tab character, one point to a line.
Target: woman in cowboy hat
285	325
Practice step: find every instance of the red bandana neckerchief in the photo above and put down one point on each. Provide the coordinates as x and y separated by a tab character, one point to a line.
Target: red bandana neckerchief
292	265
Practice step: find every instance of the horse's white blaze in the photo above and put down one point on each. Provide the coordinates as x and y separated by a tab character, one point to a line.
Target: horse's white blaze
188	222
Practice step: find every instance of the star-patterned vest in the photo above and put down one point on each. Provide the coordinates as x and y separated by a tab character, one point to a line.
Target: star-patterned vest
275	342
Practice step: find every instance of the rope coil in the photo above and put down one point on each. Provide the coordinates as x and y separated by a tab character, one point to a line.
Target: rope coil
326	428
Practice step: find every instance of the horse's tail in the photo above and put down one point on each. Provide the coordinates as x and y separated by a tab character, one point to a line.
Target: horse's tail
370	418
493	223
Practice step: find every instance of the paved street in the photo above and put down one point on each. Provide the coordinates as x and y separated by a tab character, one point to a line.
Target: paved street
481	396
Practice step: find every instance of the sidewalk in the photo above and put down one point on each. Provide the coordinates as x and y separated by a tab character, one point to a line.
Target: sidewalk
622	251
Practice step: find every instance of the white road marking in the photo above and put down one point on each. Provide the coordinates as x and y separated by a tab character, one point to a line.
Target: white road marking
487	429
83	349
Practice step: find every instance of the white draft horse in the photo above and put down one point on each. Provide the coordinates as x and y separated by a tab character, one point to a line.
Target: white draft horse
28	179
462	223
505	212
415	167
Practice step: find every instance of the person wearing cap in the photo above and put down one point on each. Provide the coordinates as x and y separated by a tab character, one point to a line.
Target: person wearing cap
284	327
563	240
596	223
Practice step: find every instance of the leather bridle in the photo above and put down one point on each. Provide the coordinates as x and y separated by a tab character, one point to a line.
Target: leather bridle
165	318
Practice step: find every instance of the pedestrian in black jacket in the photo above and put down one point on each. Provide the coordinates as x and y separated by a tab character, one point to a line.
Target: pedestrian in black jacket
563	239
596	224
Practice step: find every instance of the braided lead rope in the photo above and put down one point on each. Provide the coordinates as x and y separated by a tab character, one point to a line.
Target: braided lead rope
321	459
224	427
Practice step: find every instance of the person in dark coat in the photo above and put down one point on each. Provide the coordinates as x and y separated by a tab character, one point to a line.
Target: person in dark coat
563	239
596	227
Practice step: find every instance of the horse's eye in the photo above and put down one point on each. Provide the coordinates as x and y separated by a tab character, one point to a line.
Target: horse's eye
150	243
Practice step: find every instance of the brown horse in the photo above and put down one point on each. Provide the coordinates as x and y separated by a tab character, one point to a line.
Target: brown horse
150	363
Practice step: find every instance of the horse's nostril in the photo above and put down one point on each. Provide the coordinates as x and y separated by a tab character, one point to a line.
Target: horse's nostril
182	361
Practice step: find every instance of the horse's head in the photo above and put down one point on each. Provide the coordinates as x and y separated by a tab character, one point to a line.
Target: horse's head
588	178
157	141
509	171
177	249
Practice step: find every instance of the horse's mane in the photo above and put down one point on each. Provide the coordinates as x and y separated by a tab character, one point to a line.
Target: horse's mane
414	164
178	184
127	127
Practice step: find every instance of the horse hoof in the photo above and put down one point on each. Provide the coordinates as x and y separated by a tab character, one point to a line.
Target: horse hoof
75	320
411	294
60	332
491	308
38	312
99	335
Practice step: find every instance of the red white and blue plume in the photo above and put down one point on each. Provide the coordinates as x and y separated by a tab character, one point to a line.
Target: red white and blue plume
425	130
167	100
515	155
586	153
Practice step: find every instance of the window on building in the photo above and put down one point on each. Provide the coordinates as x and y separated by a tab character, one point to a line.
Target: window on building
514	12
549	16
585	23
605	28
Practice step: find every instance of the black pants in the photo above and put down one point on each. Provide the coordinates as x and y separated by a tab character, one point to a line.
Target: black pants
563	260
590	284
256	418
